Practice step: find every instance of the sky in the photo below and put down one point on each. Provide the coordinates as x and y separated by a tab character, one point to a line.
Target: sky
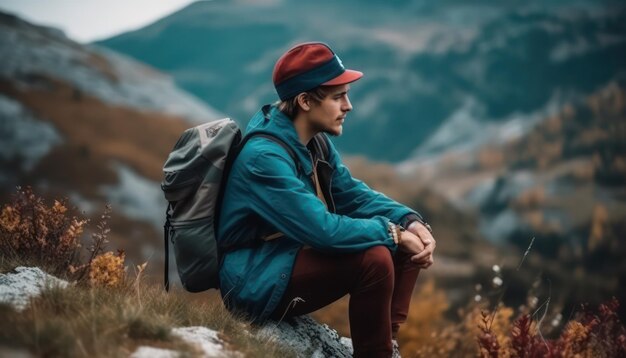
90	20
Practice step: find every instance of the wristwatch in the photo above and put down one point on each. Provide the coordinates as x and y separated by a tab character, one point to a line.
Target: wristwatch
410	218
421	221
426	225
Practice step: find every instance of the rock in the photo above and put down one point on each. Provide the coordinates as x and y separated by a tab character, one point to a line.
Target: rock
302	334
204	339
17	288
347	342
308	338
151	352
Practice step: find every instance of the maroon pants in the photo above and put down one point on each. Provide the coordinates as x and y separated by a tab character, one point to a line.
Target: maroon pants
380	287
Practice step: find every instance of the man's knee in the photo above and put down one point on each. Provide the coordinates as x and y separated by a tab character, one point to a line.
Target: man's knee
377	264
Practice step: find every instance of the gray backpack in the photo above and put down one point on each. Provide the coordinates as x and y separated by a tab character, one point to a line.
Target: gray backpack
195	172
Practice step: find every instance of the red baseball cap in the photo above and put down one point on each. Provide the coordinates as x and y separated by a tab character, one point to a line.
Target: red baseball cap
307	66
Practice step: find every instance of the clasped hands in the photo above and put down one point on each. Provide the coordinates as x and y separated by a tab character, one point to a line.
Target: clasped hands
418	241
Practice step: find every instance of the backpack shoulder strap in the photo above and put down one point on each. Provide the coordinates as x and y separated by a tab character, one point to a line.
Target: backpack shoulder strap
236	149
282	143
271	137
321	146
292	154
166	238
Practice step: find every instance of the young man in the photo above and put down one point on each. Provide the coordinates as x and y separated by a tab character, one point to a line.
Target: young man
300	250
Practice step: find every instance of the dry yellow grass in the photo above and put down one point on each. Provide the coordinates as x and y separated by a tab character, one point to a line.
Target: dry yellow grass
85	321
106	313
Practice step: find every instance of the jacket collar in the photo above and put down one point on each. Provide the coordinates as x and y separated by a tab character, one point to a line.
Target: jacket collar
281	126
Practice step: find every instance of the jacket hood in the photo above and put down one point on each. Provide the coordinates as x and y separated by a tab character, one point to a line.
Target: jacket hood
276	123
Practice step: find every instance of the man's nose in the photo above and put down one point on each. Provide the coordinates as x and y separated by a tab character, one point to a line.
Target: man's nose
347	106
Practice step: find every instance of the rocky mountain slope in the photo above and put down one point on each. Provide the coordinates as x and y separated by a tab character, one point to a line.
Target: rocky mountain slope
86	123
560	188
437	75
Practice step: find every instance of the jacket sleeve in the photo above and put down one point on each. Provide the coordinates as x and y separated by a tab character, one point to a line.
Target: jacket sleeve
278	196
354	198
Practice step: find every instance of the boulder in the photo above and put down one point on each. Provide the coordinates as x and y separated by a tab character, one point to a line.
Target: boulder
17	287
308	338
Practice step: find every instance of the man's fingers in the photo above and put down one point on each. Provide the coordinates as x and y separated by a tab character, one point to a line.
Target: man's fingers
416	260
426	237
424	253
422	232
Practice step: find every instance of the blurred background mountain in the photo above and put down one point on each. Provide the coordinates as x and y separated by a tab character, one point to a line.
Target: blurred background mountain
504	123
436	73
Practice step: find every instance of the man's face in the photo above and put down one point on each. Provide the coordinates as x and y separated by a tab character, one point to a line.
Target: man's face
328	116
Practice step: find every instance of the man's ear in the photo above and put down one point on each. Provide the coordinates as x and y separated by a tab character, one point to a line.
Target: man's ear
304	102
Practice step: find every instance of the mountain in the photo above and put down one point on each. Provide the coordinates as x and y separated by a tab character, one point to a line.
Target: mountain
436	73
557	191
552	176
91	125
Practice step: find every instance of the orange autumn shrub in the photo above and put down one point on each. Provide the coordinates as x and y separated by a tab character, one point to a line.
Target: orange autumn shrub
35	233
589	334
504	332
107	270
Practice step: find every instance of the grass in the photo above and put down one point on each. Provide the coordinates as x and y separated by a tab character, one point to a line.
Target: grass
106	312
112	322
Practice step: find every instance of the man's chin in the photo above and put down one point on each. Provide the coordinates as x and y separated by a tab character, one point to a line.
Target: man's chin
335	132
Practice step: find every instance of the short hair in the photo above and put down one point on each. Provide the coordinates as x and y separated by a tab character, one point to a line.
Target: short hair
290	106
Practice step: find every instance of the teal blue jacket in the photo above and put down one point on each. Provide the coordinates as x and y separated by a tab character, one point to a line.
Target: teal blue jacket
266	193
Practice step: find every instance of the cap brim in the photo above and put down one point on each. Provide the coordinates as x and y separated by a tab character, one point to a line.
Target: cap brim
346	77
